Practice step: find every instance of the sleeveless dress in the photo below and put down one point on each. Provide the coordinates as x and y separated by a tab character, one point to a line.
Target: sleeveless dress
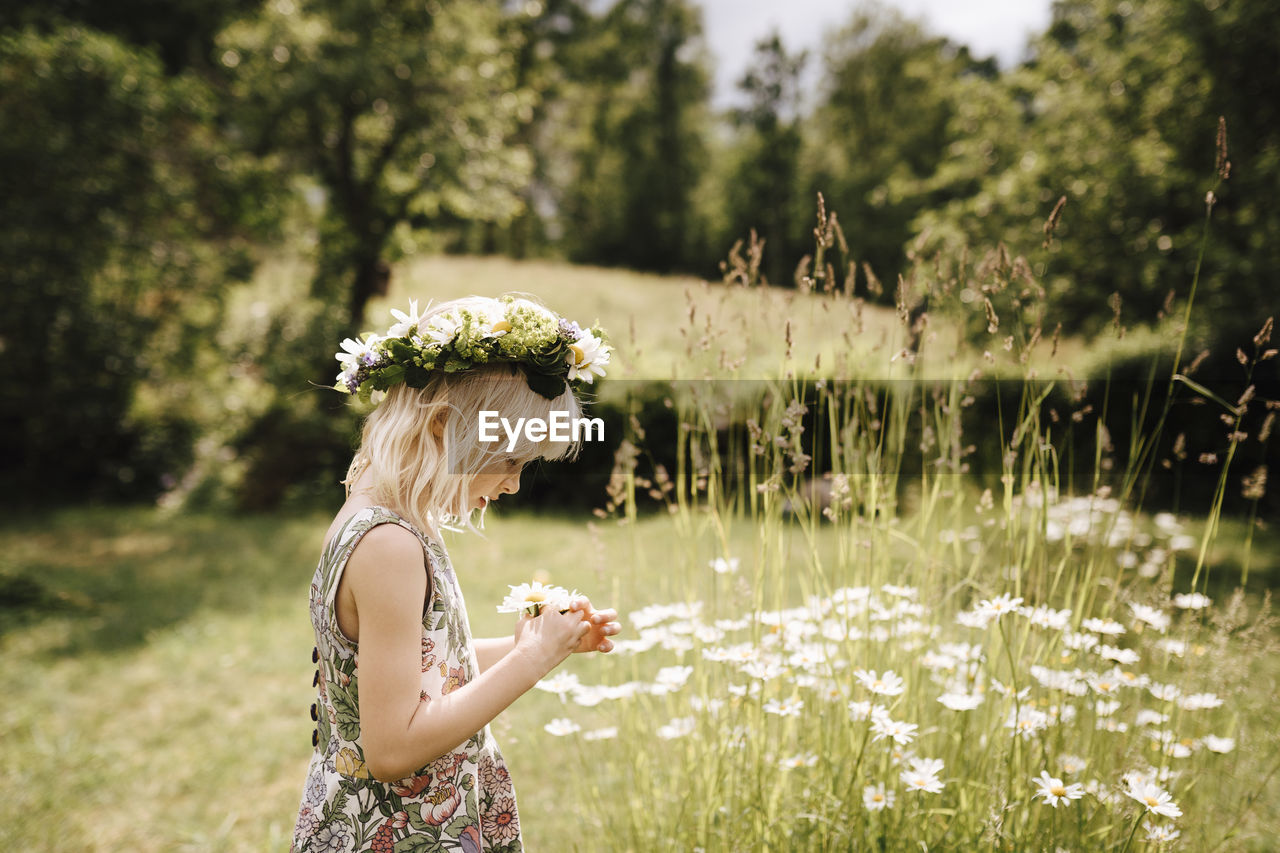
462	801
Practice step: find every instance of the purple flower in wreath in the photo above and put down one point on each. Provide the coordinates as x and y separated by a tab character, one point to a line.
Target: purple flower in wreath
570	329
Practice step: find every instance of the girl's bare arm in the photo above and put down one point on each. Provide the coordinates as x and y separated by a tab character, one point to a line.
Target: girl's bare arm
399	732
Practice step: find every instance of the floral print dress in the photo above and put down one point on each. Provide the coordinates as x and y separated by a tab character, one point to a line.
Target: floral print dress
462	801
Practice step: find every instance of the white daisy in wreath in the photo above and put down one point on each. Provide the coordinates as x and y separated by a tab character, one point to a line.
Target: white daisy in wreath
587	357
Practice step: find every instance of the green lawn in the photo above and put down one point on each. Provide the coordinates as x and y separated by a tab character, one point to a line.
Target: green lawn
159	685
159	671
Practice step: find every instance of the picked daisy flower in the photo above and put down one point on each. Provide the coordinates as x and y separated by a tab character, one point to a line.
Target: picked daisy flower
1153	797
1054	791
532	597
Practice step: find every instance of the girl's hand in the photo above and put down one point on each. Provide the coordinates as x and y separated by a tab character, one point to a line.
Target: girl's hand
603	624
550	637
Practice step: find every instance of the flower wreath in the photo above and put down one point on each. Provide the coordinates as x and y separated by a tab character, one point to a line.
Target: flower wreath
549	350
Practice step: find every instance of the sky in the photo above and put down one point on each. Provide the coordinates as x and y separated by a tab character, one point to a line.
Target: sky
990	27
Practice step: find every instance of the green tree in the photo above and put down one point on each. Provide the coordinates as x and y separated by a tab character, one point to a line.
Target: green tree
635	122
122	222
180	32
402	111
761	189
884	118
1117	111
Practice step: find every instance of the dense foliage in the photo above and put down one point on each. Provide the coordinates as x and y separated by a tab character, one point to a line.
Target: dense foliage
150	160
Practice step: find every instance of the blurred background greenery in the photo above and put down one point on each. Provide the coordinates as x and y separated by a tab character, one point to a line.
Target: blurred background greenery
201	198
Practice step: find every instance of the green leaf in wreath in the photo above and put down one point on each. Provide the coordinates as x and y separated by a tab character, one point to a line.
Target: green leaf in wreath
415	376
548	386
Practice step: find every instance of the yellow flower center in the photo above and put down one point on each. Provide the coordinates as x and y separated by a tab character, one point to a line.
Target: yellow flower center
578	355
878	798
1058	791
877	685
502	326
535	598
1152	801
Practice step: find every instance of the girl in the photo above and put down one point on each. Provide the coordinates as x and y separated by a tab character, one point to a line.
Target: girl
402	742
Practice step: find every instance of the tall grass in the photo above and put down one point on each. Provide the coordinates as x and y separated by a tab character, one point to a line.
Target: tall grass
908	661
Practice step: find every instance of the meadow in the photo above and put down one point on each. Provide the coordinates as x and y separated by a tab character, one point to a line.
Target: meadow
948	660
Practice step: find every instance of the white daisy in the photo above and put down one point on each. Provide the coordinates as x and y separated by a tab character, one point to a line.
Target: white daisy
960	701
889	684
444	327
923	775
1199	701
561	727
534	596
784	708
1159	833
795	762
560	683
1072	763
900	732
994	608
1218	744
1153	797
673	677
1191	601
587	357
359	353
601	734
1054	791
679	727
875	798
1155	618
407	323
1125	656
724	566
1103	626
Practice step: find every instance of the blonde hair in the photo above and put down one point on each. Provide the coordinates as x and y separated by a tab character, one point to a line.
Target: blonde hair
424	477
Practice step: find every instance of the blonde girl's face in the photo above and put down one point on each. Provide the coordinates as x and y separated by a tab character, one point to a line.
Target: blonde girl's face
501	477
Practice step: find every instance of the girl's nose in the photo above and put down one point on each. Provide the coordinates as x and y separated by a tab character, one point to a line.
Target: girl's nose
511	485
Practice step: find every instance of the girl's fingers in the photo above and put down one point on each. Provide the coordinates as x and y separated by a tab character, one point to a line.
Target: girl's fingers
602	616
605	646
